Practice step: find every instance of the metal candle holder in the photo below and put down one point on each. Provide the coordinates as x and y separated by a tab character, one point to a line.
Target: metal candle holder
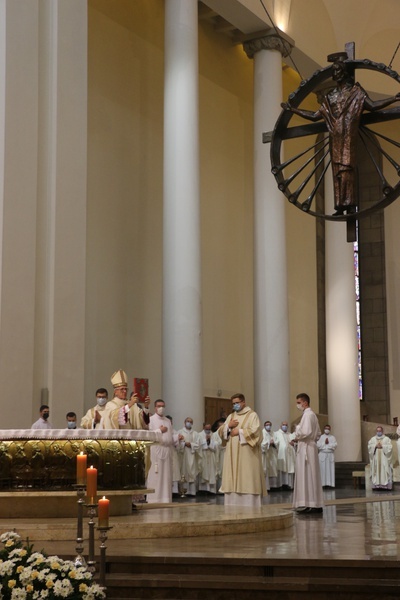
79	559
92	511
103	531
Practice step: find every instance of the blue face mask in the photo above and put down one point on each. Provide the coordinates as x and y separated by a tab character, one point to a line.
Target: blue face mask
379	433
284	427
236	406
71	424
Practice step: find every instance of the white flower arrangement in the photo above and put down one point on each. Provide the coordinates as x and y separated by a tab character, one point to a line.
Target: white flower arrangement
28	575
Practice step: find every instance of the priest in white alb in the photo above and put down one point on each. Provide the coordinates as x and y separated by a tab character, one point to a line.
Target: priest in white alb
208	451
159	477
380	452
308	496
188	453
327	445
243	482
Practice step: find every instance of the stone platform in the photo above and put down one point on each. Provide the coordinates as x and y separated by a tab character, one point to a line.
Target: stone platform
158	521
34	504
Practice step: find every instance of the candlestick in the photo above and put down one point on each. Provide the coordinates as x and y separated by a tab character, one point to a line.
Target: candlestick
103	511
81	464
91	485
79	560
103	537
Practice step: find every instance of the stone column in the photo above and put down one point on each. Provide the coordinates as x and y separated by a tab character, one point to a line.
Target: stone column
61	211
182	358
19	43
271	327
341	338
43	85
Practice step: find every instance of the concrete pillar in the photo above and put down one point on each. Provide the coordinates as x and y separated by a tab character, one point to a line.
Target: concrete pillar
341	339
43	84
271	327
182	358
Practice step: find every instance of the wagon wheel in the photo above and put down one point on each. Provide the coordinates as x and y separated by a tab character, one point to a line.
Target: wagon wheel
300	175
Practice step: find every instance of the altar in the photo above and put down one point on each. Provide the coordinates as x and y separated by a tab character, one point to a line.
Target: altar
38	468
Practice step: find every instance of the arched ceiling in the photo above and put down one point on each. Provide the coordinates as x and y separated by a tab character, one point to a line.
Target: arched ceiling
320	27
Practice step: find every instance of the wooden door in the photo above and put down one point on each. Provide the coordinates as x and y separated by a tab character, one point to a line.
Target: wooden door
216	408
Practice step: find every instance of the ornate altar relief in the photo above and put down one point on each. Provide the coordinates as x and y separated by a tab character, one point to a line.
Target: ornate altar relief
46	460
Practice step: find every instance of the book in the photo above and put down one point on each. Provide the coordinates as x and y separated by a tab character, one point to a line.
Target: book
141	388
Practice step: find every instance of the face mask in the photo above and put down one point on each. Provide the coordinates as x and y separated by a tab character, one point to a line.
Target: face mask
188	425
101	401
284	427
71	424
45	416
299	407
160	410
236	406
379	434
207	431
268	428
327	431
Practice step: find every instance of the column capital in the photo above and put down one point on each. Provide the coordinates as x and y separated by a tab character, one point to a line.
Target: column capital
267	42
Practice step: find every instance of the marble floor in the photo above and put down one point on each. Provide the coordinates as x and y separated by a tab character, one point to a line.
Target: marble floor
355	525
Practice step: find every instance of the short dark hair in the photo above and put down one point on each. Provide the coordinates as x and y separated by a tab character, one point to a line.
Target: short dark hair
102	391
43	407
158	401
303	396
70	414
239	397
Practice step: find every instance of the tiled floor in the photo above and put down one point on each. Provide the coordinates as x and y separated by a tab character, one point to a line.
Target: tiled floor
355	525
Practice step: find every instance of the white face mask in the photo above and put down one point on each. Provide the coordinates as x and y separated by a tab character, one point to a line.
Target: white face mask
268	428
101	401
327	431
299	407
188	425
160	410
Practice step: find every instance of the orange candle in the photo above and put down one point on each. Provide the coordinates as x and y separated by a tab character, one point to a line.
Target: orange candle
81	463
103	511
91	485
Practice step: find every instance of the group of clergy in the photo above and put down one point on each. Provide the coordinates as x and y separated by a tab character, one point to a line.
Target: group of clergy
183	461
279	456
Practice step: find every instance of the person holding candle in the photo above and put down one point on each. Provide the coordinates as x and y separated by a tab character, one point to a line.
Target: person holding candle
160	473
124	414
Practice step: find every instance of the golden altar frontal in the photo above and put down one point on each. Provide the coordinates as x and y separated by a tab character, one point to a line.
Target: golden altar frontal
36	463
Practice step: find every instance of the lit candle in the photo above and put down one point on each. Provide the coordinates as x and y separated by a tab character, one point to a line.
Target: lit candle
81	463
103	511
91	485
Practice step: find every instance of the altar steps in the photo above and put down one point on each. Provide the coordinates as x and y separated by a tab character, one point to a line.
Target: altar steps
148	578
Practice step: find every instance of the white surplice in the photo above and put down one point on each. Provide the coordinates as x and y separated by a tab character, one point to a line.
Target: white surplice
307	482
160	473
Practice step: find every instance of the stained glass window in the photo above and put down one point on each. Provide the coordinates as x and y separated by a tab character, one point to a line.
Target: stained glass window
357	290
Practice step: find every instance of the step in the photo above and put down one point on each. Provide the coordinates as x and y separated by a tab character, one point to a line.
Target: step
194	587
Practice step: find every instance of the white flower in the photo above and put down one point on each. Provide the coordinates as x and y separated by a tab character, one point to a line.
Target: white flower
6	568
9	535
63	588
37	558
18	594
